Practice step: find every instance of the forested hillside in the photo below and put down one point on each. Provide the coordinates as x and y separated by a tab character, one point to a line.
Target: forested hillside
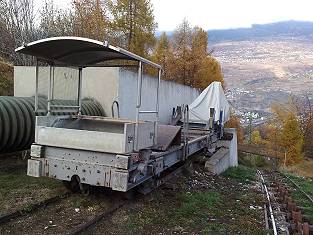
263	31
125	23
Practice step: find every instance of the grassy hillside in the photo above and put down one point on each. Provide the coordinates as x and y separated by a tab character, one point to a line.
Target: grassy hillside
6	78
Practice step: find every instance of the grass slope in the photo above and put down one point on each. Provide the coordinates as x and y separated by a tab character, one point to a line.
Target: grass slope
307	186
6	78
19	191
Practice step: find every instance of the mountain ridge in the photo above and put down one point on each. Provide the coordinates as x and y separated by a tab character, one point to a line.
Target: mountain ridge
290	28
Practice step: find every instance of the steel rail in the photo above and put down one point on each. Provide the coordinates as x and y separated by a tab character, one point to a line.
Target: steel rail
13	215
113	209
97	218
298	187
269	203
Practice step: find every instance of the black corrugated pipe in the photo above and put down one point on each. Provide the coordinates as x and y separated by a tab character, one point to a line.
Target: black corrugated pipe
17	119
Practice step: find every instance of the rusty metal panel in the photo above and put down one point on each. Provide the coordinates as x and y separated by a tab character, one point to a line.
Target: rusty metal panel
168	136
120	180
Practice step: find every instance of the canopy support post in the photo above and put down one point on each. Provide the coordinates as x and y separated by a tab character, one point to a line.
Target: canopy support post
79	95
139	89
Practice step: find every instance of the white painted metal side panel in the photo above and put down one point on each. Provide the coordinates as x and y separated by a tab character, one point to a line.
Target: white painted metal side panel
80	139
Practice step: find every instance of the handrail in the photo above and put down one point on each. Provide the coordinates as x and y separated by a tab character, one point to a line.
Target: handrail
138	105
148	111
185	131
118	108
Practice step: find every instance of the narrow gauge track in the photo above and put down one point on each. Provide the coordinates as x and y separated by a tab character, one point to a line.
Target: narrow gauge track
268	208
109	212
61	217
14	215
299	188
69	215
285	216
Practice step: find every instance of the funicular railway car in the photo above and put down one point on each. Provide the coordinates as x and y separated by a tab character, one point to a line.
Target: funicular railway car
116	153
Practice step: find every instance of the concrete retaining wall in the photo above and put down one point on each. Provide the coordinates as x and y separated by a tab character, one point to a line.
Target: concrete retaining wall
171	95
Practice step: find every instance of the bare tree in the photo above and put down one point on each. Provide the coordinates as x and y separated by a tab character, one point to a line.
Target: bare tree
18	25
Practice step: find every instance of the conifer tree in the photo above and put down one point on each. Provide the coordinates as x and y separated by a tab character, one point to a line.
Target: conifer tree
90	19
163	55
182	52
133	25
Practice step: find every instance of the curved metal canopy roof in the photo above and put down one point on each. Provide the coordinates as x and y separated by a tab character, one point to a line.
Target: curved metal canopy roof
78	51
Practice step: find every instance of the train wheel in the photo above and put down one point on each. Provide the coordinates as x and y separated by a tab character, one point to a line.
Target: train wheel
72	185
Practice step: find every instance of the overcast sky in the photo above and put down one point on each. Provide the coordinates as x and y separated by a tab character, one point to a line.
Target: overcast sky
217	14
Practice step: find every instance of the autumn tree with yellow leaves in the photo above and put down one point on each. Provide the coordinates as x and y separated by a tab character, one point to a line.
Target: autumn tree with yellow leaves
129	24
133	25
286	135
234	122
185	57
90	19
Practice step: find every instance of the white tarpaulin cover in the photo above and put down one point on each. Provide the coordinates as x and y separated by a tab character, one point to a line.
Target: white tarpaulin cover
212	97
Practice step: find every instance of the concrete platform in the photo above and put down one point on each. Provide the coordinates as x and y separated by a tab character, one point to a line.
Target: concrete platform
226	156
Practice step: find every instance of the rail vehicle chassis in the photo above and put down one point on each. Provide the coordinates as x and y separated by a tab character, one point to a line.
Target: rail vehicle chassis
111	152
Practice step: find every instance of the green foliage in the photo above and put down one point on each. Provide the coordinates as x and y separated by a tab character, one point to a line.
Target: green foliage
240	173
193	209
195	205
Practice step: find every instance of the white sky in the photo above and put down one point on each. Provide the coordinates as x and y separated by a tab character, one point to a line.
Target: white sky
217	14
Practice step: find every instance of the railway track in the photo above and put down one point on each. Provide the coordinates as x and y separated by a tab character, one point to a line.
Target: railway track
15	214
105	214
63	215
283	216
109	212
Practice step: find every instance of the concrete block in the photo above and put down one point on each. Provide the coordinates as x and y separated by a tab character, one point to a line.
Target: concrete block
219	162
233	147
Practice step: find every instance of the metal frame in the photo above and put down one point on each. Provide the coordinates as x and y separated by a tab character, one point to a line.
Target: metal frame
125	55
130	55
50	107
108	169
102	162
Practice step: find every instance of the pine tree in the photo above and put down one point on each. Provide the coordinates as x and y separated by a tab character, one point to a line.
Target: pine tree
90	19
163	55
287	136
182	53
133	25
192	65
